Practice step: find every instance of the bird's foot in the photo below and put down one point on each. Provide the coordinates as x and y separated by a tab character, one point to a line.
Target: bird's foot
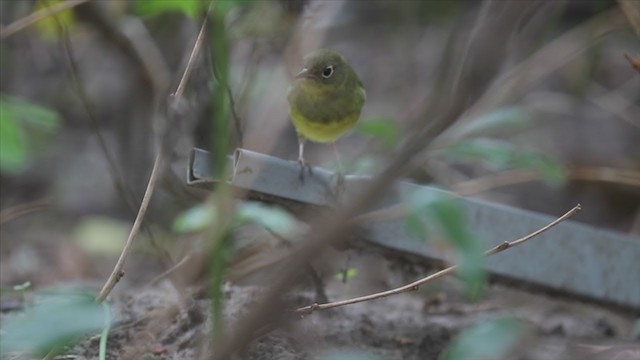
304	166
340	183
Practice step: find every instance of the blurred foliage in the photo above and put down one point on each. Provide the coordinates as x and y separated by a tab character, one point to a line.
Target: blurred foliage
503	155
201	217
191	8
505	120
21	288
443	215
494	339
54	321
385	130
101	235
271	217
24	129
50	26
197	218
350	273
365	164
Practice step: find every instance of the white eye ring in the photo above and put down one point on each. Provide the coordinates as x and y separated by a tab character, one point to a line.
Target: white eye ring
327	72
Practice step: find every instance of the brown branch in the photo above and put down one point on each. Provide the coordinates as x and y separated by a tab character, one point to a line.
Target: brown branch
194	53
631	9
33	18
117	272
514	177
416	284
169	271
634	62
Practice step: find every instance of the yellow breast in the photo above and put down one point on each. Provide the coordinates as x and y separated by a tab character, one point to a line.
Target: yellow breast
323	132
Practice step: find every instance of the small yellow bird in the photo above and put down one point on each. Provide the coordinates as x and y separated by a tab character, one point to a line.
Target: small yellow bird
325	100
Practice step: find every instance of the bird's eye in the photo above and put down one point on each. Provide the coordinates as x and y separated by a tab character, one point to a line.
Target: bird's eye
327	72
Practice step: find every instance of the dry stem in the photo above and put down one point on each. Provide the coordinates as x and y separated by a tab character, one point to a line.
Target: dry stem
117	272
416	284
33	18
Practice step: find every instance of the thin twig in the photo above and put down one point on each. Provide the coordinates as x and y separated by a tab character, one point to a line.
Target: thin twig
416	284
634	62
17	211
117	272
169	271
237	121
194	53
33	18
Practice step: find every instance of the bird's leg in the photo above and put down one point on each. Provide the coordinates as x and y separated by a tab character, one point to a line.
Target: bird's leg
345	270
318	285
301	161
341	178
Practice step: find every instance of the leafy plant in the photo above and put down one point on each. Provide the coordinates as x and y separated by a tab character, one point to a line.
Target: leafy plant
385	130
503	120
200	217
191	8
494	339
53	322
434	212
502	155
24	128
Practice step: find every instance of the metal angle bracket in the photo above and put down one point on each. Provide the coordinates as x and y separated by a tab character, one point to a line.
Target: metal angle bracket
572	258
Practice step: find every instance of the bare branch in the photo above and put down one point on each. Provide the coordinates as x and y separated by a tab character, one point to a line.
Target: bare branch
416	284
117	272
33	18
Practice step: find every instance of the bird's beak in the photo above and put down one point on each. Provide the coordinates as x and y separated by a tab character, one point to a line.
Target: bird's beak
304	74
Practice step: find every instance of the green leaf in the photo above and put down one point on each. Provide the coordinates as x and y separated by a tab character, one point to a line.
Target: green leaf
494	339
23	125
415	225
191	8
502	155
33	115
364	165
385	130
51	26
351	273
200	217
197	218
274	218
504	120
13	147
52	322
22	287
443	214
101	235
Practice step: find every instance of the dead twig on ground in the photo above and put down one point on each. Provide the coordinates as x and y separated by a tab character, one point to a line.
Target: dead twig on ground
416	284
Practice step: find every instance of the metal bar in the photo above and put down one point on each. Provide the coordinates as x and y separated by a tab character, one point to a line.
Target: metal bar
573	258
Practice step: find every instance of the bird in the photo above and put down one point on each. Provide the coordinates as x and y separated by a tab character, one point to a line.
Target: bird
325	101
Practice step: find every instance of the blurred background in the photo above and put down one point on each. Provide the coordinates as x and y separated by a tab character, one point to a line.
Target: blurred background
542	112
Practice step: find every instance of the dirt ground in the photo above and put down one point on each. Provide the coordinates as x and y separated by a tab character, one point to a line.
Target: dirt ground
163	322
